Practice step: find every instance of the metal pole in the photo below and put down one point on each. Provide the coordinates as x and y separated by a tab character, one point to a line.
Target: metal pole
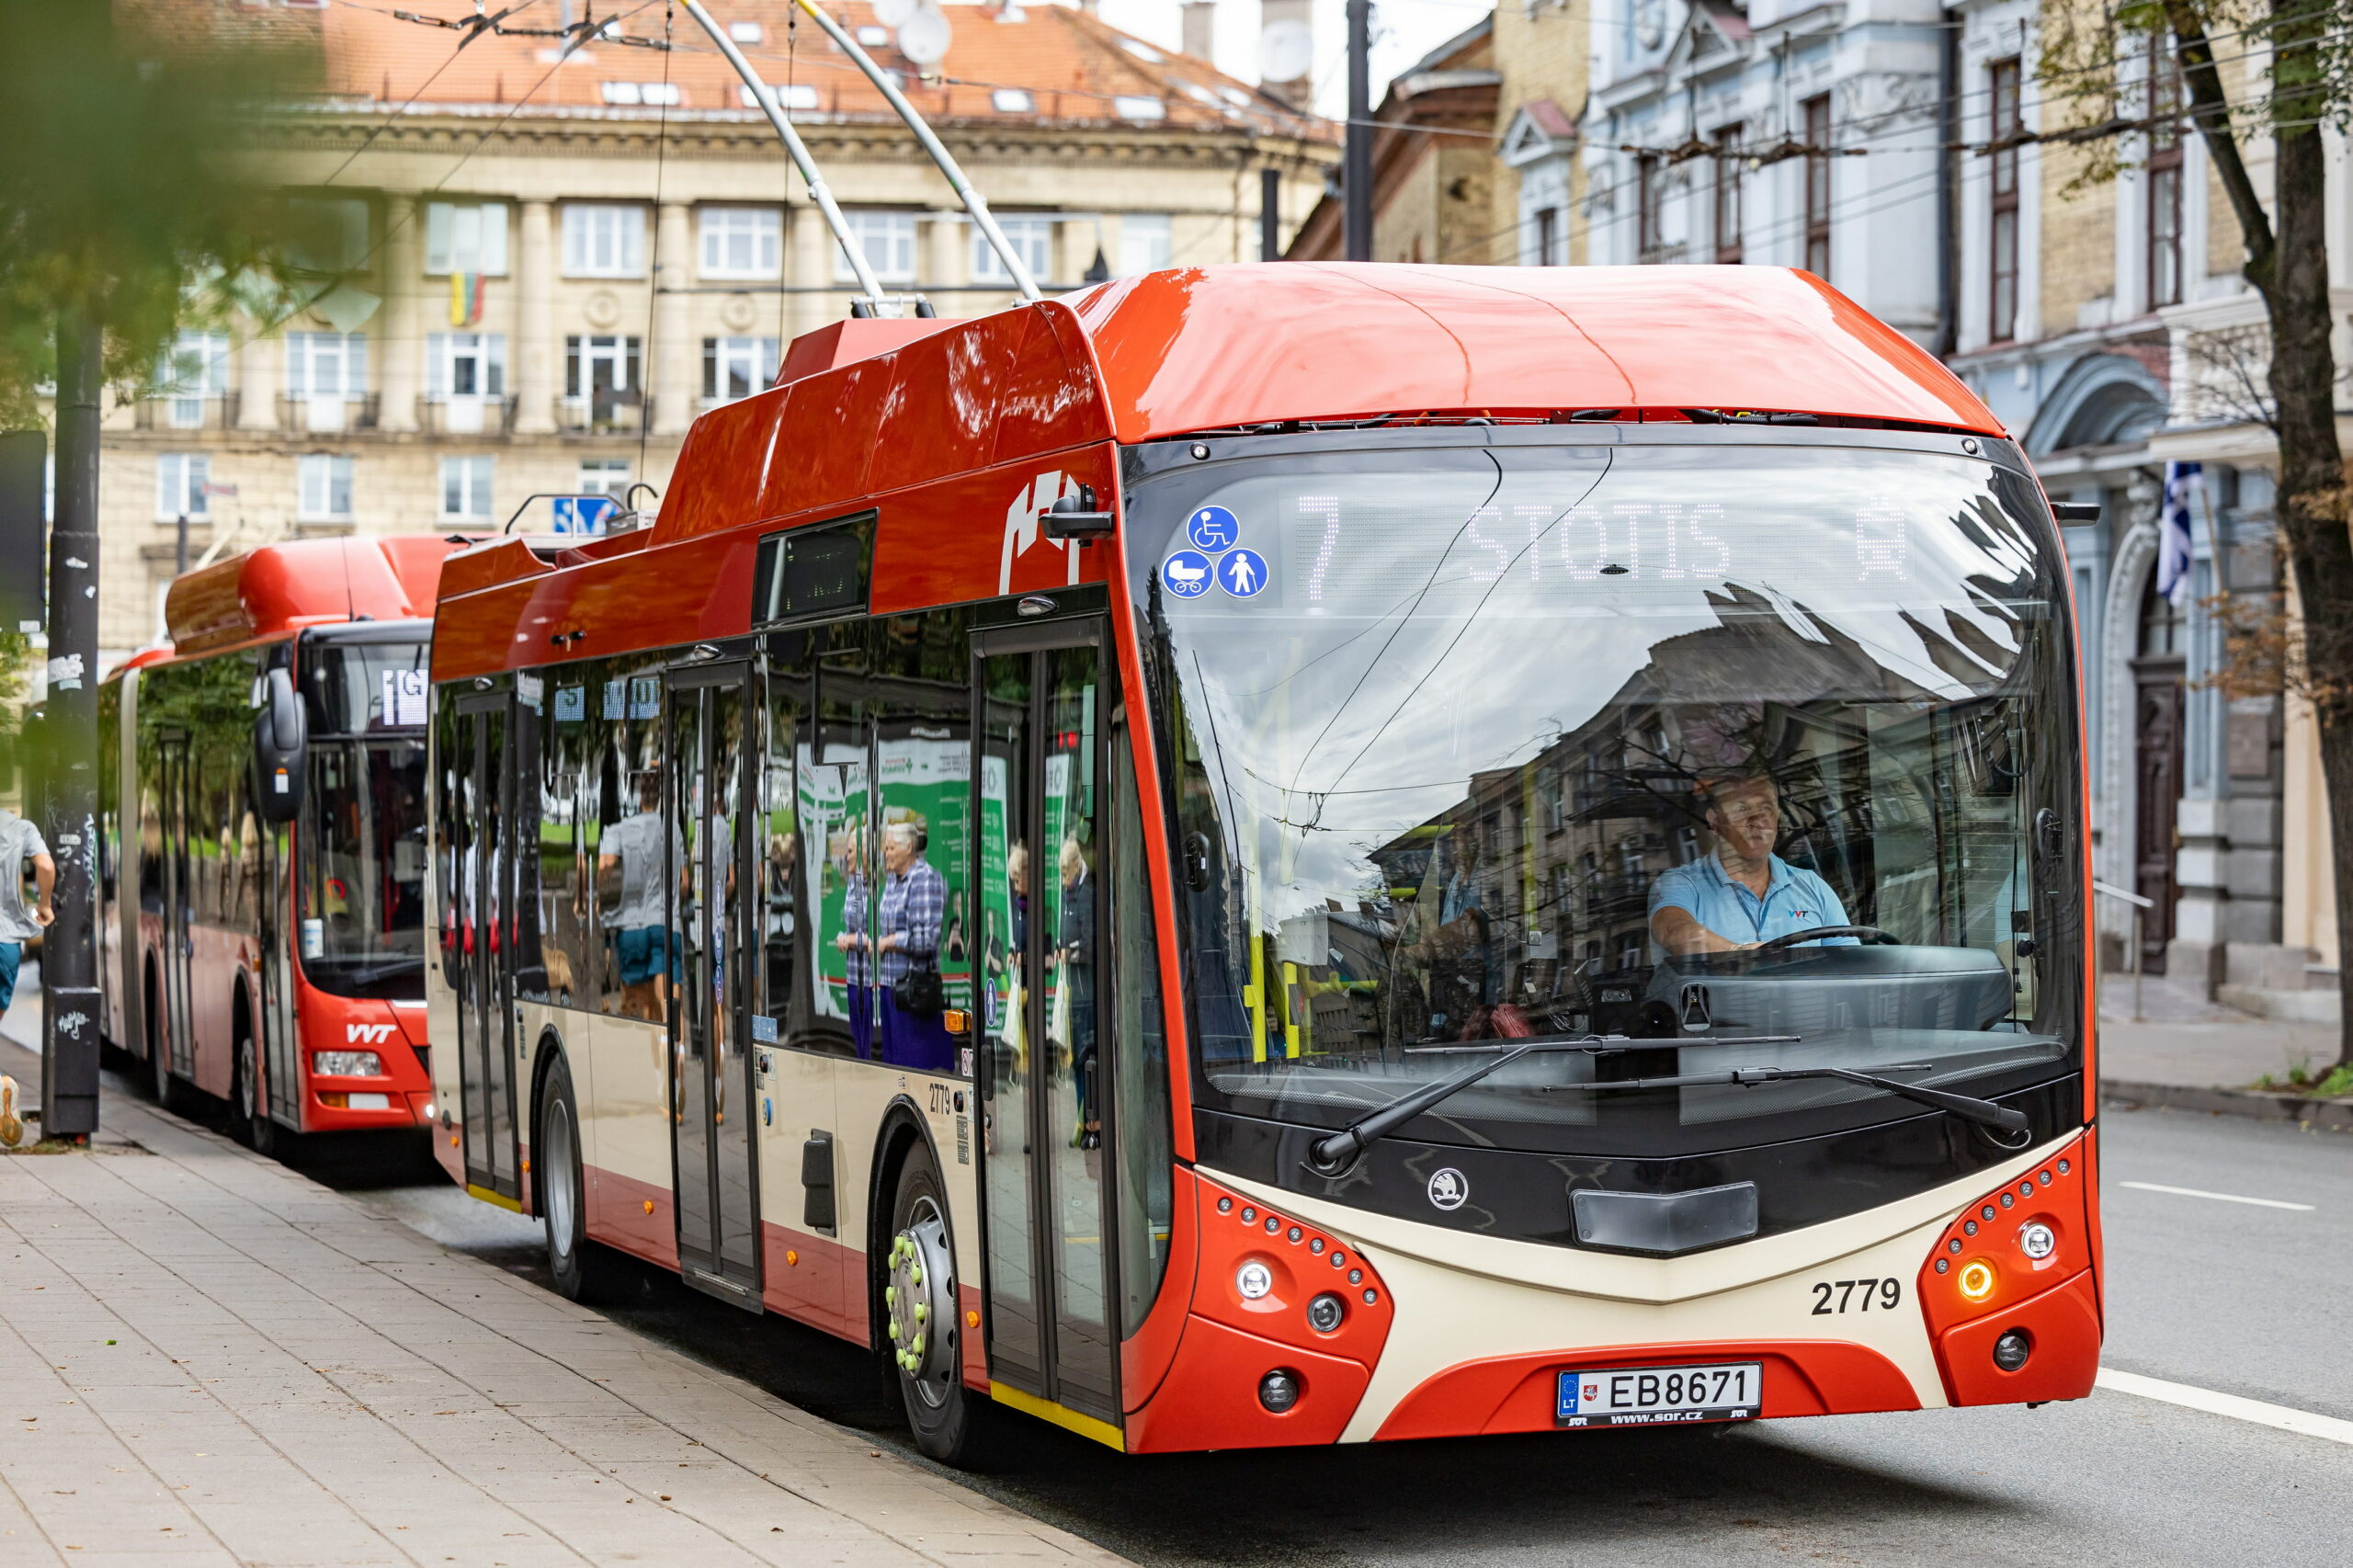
1270	213
974	203
69	967
818	191
179	547
1356	168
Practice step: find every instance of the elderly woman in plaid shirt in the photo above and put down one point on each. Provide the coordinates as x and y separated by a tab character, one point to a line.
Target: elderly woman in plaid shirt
915	903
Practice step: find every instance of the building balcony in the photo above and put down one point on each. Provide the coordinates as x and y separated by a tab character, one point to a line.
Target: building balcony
326	414
215	412
1609	894
604	412
466	415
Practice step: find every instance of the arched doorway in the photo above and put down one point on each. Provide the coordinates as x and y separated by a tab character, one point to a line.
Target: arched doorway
2159	665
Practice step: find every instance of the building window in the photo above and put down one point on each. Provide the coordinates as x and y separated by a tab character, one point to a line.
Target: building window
465	487
604	476
1817	187
194	367
326	364
468	237
322	487
742	242
889	241
183	485
1548	236
1728	172
737	367
2002	320
596	364
655	94
465	364
327	234
1649	195
798	94
1031	235
604	240
1143	242
2164	171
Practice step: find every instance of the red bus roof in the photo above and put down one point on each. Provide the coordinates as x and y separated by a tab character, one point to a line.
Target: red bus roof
276	588
1207	347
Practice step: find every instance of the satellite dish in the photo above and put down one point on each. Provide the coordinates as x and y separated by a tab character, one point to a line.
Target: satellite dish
893	13
1286	51
924	38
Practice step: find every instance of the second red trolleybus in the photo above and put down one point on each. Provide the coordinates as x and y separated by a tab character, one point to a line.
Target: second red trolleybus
261	837
1304	854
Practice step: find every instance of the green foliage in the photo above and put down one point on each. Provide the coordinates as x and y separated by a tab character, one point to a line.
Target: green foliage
119	190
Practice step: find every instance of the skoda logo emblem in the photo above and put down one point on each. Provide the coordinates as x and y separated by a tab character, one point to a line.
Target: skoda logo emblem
1448	1190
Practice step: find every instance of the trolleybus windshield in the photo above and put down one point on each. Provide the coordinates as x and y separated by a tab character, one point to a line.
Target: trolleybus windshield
1724	752
362	882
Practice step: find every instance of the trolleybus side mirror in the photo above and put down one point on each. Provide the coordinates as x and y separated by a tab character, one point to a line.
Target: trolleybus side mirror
280	733
2075	511
1076	516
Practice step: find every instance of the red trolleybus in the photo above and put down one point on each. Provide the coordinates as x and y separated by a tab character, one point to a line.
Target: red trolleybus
1304	854
262	832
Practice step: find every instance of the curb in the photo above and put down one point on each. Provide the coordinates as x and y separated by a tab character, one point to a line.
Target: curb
2263	1105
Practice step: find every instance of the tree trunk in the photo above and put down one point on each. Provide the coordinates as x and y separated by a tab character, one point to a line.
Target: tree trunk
2312	507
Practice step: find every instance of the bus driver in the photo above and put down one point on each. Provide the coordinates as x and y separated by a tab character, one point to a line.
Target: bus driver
1744	895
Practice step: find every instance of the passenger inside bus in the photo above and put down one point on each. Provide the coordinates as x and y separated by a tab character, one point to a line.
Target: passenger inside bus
631	858
1743	895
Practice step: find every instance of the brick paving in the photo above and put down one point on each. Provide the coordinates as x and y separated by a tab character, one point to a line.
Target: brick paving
207	1358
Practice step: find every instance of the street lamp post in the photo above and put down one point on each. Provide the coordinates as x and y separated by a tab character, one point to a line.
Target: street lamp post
69	966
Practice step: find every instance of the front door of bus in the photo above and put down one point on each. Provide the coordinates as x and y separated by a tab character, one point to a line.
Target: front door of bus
713	903
483	864
1043	1077
178	1037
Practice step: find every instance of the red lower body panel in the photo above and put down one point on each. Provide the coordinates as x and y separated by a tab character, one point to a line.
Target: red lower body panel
2062	1325
1518	1393
639	1219
1210	1398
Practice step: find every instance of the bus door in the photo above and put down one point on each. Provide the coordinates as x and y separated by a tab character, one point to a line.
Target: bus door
713	925
179	943
485	872
1042	1074
281	1072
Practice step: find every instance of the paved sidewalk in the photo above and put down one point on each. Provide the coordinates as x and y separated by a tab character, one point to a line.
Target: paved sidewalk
207	1358
2183	1040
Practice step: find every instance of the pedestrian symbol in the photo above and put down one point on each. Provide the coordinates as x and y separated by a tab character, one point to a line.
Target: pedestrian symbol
1241	574
1187	573
1212	528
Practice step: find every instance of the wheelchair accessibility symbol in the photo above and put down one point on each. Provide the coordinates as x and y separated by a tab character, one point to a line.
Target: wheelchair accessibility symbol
1242	574
1187	573
1212	528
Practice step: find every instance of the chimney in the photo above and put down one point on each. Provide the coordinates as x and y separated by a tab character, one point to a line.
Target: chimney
1200	29
1287	51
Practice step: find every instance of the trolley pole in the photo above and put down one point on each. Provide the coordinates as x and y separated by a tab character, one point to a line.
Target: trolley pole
69	968
1356	166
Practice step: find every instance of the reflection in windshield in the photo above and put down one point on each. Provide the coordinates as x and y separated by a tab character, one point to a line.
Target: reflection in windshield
361	930
1541	741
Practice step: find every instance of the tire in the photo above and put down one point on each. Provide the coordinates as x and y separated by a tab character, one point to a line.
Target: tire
923	1319
248	1109
584	1270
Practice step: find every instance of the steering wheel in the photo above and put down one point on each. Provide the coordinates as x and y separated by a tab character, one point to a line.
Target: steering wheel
1868	934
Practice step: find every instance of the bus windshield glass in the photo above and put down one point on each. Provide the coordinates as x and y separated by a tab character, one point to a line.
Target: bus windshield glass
361	931
1685	756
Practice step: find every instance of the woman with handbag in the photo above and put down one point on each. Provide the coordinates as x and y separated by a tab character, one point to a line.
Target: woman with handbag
915	902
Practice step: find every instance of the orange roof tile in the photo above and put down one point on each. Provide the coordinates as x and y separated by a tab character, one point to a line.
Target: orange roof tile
1074	67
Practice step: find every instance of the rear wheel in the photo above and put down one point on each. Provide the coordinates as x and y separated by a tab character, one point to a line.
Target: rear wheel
583	1270
923	1319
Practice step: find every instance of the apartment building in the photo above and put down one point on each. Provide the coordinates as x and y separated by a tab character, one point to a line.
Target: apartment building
526	269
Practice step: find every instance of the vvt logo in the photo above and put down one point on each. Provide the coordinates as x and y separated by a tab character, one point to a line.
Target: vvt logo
366	1034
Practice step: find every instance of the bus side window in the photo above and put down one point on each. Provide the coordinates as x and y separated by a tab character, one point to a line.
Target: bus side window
921	717
782	850
526	745
631	848
1145	1139
566	917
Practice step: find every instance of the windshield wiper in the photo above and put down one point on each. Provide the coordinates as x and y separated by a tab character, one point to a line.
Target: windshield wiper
1967	1107
1334	1155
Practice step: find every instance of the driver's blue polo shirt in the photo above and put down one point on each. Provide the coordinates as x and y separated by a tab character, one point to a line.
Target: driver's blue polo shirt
1794	900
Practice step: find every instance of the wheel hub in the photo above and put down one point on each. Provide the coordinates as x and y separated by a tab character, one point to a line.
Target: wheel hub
919	1305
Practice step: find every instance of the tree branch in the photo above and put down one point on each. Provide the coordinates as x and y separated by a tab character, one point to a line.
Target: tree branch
2209	109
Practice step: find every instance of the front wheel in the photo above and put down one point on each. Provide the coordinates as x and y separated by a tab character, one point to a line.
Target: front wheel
923	1318
583	1270
252	1124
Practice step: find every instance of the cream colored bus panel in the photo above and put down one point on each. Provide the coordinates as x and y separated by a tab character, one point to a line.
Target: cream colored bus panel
626	1117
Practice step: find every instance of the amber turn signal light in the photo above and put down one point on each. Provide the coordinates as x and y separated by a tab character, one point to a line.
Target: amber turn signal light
1976	1279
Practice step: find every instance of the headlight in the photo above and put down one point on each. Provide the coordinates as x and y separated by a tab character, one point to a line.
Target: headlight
1253	1279
347	1064
2036	1240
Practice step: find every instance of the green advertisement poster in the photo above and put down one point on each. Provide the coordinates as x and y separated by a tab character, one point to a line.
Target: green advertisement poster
996	948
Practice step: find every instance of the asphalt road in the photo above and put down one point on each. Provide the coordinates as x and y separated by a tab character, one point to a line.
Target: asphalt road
2236	1298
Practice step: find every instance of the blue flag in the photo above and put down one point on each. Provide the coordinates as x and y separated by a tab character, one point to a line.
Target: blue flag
2173	532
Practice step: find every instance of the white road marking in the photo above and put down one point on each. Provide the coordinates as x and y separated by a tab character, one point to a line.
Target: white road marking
2217	1197
2302	1422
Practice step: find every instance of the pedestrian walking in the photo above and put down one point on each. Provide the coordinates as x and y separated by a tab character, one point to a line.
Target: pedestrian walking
20	841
